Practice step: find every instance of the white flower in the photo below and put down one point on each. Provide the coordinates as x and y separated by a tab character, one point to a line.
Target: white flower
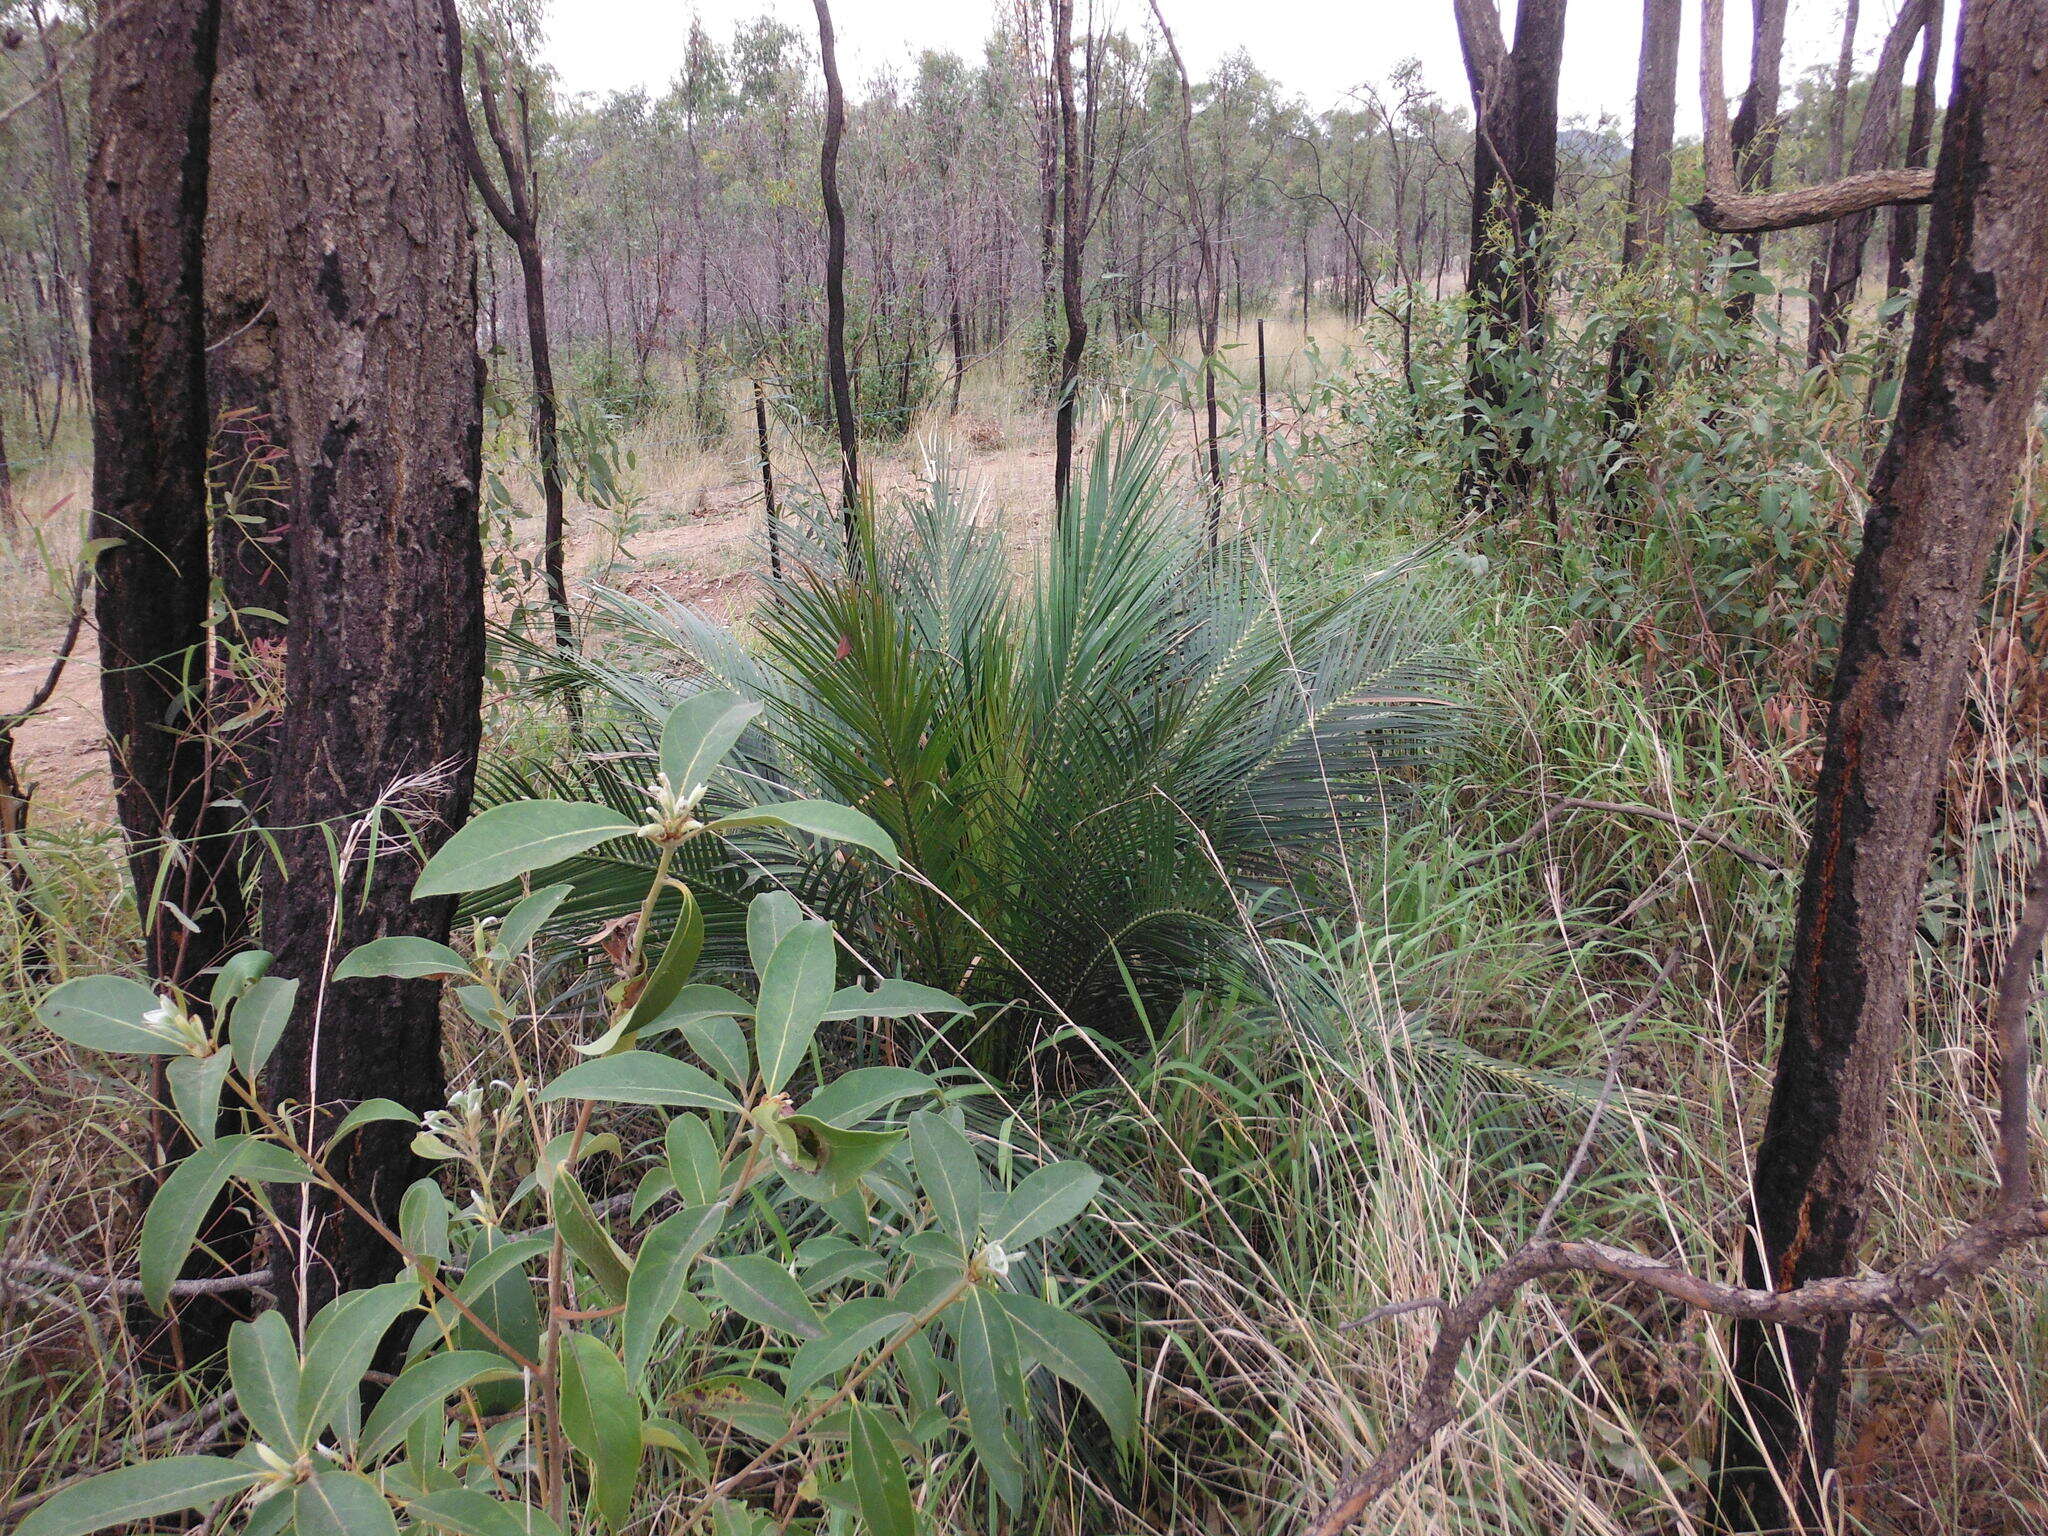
993	1260
668	810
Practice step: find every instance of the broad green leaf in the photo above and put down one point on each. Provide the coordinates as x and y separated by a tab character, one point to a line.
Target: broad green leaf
763	1292
698	734
258	1022
661	1273
837	1157
1045	1201
587	1238
171	1224
769	917
700	1000
340	1352
640	1077
820	818
693	1160
372	1112
672	970
795	986
1079	1356
950	1174
422	1388
893	999
234	978
853	1096
403	955
991	1386
878	1480
851	1329
508	841
104	1013
469	1513
263	1364
339	1503
195	1084
423	1220
601	1417
526	920
722	1046
134	1494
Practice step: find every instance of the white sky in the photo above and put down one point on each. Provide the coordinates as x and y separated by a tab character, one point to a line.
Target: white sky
1317	48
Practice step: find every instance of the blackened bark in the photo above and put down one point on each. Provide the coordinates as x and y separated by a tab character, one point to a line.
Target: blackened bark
516	211
1905	230
1875	139
251	482
835	288
1940	501
1072	217
1754	134
376	334
152	75
1514	186
1649	198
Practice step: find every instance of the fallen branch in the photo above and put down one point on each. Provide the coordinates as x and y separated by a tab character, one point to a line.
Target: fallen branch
2016	1220
215	1285
1727	210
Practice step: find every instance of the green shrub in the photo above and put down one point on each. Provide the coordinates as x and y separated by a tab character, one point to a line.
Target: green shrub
835	1284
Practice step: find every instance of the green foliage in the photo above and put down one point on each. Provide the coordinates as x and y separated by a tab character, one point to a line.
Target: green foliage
830	1284
1093	779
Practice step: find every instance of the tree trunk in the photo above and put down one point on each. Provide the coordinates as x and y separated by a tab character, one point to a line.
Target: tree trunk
835	288
1649	197
1838	138
1754	134
1514	185
376	335
516	211
1905	230
152	75
1072	216
1875	138
1941	499
251	476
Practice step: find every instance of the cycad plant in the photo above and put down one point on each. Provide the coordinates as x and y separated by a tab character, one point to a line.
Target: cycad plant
1105	775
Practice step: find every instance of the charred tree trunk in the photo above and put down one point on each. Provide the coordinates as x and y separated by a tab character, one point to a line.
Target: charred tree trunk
152	76
1072	222
1649	197
1941	499
1514	185
835	288
516	210
1875	138
1838	139
1754	135
376	336
251	478
1905	227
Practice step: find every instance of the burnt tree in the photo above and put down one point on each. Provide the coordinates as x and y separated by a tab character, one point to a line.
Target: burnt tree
1875	138
1754	136
1941	499
1646	225
1514	185
841	385
375	298
1072	222
151	85
516	211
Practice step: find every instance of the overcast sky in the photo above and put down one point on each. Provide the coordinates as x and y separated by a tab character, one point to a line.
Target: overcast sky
1317	48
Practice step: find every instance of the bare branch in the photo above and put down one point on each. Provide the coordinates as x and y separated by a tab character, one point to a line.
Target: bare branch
1975	1251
